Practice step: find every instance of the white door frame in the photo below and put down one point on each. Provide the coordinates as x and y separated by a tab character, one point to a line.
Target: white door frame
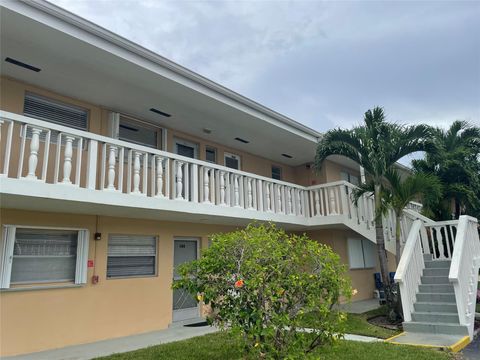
189	313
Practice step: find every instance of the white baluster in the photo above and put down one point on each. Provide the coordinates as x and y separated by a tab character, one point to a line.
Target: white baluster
236	191
441	248
67	162
249	193
159	170
136	172
222	187
206	185
279	198
267	196
332	201
289	200
179	180
299	203
111	167
317	202
33	157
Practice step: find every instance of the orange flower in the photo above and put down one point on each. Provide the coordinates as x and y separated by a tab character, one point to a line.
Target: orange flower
239	284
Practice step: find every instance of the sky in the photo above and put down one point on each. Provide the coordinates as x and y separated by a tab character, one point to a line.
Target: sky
322	63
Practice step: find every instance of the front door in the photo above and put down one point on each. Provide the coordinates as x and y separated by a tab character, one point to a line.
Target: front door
184	305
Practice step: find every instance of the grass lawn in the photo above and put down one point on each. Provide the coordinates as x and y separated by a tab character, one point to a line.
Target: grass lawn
358	324
220	346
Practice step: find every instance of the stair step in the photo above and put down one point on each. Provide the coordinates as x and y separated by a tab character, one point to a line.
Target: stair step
436	272
435	264
437	307
435	317
427	257
436	288
435	297
435	280
437	328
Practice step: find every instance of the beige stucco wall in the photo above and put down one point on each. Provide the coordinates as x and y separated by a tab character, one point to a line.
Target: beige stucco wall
35	320
362	279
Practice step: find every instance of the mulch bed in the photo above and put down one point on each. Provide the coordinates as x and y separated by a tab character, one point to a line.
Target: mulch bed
382	321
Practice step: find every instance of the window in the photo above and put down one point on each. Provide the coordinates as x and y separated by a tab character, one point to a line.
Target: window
361	254
55	111
186	148
211	155
131	255
137	132
276	172
43	255
232	161
352	179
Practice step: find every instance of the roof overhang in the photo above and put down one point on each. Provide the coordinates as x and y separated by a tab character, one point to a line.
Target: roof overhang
82	60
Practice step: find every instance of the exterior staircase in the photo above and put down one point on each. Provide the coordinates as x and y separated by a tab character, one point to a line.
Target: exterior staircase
435	308
438	277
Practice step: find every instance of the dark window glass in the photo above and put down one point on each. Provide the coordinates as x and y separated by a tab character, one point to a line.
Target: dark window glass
276	173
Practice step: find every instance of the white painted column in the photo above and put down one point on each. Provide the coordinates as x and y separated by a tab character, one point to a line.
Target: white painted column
67	161
159	176
136	173
179	180
33	157
112	153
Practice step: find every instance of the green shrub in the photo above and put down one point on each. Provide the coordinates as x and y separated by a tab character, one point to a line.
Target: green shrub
261	282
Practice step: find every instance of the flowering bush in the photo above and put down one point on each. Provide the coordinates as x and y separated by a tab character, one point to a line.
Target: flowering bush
261	283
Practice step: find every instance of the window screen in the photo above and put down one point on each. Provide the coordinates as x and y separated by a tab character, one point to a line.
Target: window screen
131	255
361	254
211	155
44	255
137	133
232	161
54	111
276	172
186	150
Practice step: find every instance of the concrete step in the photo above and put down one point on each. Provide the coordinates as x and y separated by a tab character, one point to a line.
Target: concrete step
435	297
435	317
435	280
435	288
435	264
427	257
437	307
436	272
437	328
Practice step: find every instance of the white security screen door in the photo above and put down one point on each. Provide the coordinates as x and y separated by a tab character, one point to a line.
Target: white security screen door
184	305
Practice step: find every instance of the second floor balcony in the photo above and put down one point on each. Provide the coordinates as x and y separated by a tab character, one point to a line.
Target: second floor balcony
49	167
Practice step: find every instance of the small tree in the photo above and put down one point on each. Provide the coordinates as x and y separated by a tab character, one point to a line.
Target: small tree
261	282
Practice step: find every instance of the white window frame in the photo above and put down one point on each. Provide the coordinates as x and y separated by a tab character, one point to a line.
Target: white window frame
7	247
185	143
233	156
361	254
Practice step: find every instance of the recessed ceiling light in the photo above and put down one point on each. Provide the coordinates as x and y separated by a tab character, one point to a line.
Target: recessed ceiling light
22	64
242	140
287	156
156	111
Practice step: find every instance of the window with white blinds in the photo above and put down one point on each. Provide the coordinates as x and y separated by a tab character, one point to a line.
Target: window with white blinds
54	111
33	255
131	255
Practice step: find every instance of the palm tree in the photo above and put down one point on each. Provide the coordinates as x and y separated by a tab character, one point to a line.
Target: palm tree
376	146
457	164
399	193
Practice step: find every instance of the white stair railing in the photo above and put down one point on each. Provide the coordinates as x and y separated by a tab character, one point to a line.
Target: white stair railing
410	269
464	270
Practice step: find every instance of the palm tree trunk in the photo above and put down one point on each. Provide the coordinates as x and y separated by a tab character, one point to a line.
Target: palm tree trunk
382	255
397	238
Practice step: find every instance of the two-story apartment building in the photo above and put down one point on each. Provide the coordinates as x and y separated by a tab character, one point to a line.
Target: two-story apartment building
116	165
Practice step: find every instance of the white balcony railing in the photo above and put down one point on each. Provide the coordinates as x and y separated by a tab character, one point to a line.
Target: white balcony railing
48	153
